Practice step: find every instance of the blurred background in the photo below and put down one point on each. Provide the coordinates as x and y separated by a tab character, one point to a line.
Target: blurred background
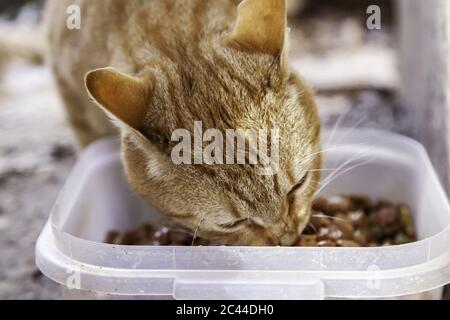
354	71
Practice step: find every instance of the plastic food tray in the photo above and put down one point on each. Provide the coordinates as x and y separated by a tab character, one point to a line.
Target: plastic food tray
96	199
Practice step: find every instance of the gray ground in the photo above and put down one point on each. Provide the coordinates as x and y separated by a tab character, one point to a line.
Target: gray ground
36	155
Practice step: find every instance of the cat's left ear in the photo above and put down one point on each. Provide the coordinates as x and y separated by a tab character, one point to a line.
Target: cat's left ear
123	96
261	26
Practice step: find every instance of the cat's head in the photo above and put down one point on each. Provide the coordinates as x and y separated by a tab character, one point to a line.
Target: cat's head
237	79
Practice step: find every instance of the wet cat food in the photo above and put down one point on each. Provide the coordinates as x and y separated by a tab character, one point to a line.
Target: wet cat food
148	235
342	221
356	221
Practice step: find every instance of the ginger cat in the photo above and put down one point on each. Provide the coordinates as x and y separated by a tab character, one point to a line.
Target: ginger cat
154	66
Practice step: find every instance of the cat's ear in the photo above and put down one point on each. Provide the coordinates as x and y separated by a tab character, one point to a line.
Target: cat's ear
121	95
260	26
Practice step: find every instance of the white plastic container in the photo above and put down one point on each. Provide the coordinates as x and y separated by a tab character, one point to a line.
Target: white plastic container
96	200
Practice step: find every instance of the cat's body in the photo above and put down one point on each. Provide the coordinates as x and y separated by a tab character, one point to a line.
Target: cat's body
176	62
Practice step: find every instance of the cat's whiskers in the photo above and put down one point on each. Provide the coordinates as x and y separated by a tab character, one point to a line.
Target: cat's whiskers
333	171
322	170
329	217
346	130
177	229
331	138
197	229
337	124
342	169
338	174
180	230
302	161
312	226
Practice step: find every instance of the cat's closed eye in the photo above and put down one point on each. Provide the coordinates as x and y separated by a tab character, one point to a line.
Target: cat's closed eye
253	221
234	224
301	183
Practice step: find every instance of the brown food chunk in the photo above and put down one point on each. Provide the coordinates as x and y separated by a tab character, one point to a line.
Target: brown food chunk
307	241
360	202
320	204
326	243
387	216
346	227
338	204
347	243
361	237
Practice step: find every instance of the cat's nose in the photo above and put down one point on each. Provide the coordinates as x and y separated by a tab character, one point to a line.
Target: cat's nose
288	239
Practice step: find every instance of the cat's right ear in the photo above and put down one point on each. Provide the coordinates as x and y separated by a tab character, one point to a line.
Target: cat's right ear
121	95
261	26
